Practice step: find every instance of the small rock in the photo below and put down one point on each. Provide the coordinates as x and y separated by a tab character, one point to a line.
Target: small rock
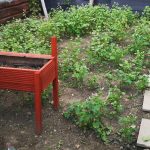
46	142
22	132
29	113
77	146
128	146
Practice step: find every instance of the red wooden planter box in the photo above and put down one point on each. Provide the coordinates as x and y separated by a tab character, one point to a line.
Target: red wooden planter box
31	80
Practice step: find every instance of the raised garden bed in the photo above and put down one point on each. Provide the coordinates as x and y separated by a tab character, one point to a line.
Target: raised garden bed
31	73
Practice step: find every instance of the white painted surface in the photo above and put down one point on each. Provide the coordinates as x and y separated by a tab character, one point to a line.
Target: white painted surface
44	9
91	2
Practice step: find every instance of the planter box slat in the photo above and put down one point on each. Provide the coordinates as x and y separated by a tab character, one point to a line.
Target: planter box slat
46	75
25	55
18	87
16	76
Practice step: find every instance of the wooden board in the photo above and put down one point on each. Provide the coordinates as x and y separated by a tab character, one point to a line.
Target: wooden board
15	9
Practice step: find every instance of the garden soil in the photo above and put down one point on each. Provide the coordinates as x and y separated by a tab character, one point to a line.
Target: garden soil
17	121
17	125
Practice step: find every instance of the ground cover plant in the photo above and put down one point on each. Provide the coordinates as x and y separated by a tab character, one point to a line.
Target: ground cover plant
116	53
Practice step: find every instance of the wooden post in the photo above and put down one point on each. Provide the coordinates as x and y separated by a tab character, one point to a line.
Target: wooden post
38	105
55	81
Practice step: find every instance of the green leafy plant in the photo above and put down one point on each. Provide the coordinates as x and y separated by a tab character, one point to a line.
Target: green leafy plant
26	39
71	65
104	50
89	115
35	8
114	101
146	12
127	127
46	94
92	82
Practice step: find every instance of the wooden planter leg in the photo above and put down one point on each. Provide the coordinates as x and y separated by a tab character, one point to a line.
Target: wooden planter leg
38	105
55	81
55	93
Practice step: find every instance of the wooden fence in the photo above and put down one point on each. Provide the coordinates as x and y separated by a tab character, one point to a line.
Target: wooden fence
15	9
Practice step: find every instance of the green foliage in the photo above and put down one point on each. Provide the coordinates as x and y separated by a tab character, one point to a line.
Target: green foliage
141	36
76	21
146	12
89	114
104	50
22	36
46	94
141	83
92	82
34	7
129	73
120	45
71	65
127	127
120	20
114	101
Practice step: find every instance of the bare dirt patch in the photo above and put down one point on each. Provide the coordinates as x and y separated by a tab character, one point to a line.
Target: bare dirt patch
17	127
17	124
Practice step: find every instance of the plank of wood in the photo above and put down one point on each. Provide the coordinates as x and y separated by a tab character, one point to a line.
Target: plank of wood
11	17
15	9
13	3
10	11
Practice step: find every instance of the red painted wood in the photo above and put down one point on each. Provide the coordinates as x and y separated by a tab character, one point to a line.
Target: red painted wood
25	55
55	81
16	79
47	74
32	80
37	102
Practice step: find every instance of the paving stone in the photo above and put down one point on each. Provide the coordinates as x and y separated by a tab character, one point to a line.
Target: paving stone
146	103
149	81
144	134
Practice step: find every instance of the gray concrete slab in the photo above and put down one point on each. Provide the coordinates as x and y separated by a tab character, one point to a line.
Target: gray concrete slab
149	80
146	103
144	134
